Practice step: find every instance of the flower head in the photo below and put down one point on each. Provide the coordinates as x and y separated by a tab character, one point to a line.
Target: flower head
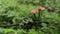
33	11
41	8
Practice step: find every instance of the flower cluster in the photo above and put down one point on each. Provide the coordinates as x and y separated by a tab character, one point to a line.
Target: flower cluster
39	9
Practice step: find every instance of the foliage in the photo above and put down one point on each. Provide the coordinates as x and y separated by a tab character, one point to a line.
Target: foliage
15	16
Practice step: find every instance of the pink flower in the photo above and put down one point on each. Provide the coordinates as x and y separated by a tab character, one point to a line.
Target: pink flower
33	11
41	8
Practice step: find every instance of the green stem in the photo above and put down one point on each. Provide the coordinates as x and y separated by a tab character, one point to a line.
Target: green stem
34	17
39	15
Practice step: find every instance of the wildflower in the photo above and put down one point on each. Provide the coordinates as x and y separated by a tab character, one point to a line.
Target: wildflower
33	11
41	8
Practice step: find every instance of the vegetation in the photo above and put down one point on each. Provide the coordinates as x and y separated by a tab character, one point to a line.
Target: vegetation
29	17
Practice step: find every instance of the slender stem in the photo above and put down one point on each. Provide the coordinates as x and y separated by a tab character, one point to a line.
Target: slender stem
34	17
39	15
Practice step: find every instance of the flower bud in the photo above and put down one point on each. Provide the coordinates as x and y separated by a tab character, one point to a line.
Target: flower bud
41	8
33	11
